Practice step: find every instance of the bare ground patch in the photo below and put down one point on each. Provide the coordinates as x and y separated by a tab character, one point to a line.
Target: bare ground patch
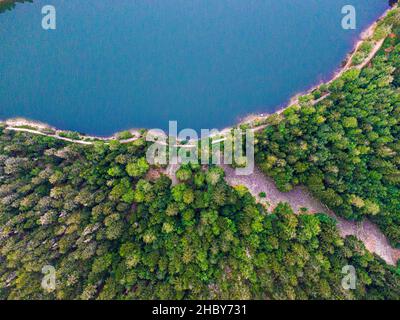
299	197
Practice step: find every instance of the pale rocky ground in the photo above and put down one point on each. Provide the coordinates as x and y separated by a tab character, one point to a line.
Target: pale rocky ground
298	198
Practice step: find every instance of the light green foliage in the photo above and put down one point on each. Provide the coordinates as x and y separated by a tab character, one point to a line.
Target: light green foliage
137	168
124	135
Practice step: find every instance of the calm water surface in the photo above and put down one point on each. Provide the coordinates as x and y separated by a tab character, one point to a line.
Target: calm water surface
113	65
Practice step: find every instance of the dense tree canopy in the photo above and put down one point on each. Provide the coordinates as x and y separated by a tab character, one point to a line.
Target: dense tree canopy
113	231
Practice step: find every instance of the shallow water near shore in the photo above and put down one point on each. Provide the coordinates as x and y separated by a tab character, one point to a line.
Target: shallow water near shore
111	66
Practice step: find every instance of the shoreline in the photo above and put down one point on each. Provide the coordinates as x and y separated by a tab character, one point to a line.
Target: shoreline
346	64
242	120
20	122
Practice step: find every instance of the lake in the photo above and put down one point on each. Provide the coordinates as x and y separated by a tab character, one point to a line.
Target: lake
113	65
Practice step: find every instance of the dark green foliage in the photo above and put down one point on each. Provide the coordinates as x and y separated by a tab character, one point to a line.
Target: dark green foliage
6	5
114	235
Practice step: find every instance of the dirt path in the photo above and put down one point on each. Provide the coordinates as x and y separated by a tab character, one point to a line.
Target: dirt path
49	135
58	137
170	171
298	198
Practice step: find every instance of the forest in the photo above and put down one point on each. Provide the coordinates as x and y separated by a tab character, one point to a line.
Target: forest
114	228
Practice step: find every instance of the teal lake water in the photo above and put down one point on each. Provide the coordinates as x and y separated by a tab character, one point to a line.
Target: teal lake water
113	65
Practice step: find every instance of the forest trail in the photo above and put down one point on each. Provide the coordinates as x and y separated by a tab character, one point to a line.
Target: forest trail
49	135
299	197
58	137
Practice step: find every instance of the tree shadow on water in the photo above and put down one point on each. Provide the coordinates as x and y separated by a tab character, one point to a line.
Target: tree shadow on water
8	5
